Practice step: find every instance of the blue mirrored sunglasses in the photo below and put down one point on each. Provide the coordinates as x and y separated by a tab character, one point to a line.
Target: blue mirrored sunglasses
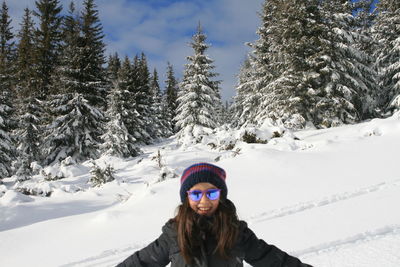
211	194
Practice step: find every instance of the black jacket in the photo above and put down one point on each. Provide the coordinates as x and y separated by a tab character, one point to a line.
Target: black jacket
249	248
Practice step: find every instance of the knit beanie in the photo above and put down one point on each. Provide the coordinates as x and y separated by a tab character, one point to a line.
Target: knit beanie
203	173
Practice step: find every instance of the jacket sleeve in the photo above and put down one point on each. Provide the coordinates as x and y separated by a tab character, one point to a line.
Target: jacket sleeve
260	254
155	254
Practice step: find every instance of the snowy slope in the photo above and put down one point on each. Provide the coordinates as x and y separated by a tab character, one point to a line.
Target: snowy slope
328	196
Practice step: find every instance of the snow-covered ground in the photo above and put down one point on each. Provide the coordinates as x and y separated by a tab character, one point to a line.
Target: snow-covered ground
330	197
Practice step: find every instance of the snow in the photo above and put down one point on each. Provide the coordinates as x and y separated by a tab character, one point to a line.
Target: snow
329	197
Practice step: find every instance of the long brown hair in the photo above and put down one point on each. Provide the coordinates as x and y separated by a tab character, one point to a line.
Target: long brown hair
225	228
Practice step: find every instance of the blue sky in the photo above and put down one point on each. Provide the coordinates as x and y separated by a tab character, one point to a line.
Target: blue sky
162	30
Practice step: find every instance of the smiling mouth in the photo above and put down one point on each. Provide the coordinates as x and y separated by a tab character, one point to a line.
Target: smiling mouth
204	209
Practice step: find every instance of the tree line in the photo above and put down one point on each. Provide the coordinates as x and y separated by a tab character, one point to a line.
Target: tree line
321	64
60	97
315	64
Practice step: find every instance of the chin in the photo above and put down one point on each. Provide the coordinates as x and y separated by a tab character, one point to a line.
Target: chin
209	213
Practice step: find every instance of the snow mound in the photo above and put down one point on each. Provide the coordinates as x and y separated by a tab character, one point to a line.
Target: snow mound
13	197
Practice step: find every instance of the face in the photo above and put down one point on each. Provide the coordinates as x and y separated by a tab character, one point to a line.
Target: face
205	206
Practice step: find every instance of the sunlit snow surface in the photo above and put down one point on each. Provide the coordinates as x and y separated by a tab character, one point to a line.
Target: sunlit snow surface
330	197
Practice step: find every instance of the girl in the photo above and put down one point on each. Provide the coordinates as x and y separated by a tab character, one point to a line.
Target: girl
206	231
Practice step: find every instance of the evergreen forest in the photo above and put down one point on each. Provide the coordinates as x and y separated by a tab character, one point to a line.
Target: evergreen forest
315	64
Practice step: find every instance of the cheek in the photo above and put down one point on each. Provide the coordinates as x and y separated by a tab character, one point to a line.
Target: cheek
215	205
193	205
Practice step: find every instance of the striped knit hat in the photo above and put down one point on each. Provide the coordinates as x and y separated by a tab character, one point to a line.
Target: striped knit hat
203	173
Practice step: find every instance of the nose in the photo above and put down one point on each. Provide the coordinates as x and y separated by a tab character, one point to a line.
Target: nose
204	199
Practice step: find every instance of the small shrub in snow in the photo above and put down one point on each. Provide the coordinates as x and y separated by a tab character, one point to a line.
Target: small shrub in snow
212	145
230	146
277	134
236	152
3	189
35	189
51	177
158	158
251	138
101	176
166	173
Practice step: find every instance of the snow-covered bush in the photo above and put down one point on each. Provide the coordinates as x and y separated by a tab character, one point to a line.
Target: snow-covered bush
101	176
34	188
167	173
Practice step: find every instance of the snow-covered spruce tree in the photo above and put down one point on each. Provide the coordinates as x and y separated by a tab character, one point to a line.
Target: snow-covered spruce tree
75	106
7	50
306	67
29	135
259	70
279	67
75	131
92	72
25	69
171	96
7	149
387	34
225	114
113	67
29	108
47	44
68	77
143	97
364	19
124	124
246	99
117	141
128	82
161	123
199	93
7	53
344	81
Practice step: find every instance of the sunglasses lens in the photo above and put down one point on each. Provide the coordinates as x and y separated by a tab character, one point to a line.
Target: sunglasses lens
195	195
213	194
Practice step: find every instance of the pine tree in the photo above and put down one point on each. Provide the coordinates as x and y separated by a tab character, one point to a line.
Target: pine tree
47	44
131	118
344	74
262	66
75	130
7	149
161	123
363	21
7	50
199	93
7	53
29	135
114	65
117	139
247	98
387	32
68	77
25	61
76	115
305	67
30	110
92	56
171	96
143	97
